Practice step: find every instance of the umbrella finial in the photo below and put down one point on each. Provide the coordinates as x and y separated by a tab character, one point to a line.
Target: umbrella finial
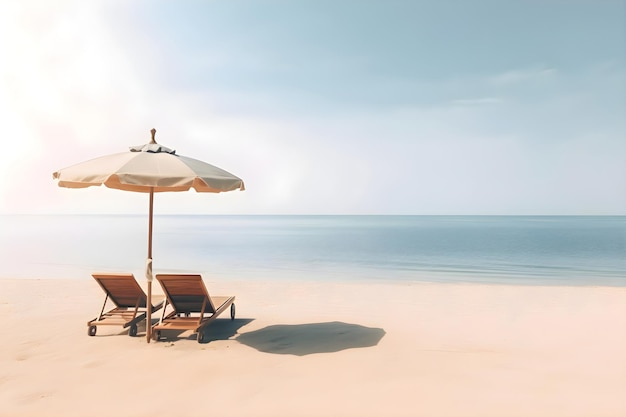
153	131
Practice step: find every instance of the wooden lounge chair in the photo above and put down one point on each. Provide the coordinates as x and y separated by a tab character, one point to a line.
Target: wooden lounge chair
193	308
129	299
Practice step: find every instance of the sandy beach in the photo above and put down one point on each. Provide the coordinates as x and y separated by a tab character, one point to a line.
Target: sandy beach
323	349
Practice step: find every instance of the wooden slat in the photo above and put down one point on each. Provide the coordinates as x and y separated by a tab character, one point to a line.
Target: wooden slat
185	292
123	289
107	322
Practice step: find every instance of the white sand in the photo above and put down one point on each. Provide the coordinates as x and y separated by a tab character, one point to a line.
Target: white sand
297	349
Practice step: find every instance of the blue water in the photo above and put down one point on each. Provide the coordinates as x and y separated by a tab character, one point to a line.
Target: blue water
543	250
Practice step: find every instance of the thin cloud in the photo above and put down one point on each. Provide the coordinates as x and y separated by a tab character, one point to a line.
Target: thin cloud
522	75
483	101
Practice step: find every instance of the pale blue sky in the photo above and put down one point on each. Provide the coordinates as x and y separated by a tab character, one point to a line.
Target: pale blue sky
330	107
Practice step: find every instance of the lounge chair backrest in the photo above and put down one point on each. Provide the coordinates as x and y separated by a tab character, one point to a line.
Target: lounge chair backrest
186	293
122	289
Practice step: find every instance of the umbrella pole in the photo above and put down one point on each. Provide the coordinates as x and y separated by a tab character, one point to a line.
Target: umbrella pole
149	278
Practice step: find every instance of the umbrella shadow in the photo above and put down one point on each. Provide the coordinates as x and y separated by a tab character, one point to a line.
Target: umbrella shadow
218	330
310	338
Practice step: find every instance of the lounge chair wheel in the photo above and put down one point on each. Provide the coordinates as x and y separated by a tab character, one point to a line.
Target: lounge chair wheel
232	311
132	332
157	335
201	336
92	330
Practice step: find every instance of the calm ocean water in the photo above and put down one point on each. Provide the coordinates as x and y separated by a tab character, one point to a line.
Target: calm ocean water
552	250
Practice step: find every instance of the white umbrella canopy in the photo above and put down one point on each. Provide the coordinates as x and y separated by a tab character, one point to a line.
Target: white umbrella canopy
149	168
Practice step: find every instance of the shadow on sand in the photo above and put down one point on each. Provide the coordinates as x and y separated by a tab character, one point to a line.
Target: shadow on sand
306	339
218	330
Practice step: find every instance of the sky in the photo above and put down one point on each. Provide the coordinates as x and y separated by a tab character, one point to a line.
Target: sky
486	107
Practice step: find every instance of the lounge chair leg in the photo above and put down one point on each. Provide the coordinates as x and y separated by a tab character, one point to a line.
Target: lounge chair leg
92	330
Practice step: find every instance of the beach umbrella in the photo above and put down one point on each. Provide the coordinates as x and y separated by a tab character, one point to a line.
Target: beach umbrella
150	168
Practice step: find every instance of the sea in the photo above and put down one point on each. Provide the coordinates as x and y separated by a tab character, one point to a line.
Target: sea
520	250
